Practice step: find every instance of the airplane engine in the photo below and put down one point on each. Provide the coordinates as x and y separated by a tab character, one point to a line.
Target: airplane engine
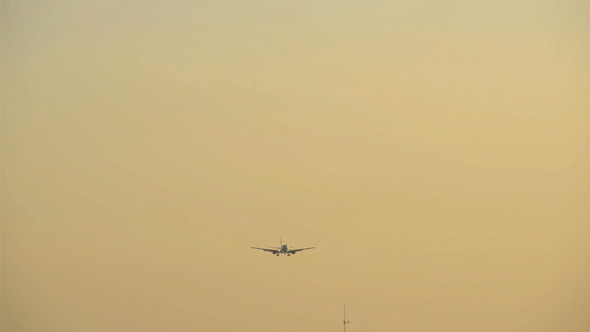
275	252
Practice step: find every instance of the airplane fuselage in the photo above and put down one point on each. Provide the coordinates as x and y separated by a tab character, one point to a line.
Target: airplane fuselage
284	249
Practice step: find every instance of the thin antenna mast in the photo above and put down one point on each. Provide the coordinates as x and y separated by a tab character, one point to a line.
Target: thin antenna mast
344	322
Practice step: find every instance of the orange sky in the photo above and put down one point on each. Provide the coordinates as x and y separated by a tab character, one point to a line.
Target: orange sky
437	153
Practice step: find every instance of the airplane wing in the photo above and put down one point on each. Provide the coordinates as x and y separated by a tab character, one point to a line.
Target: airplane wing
292	251
274	251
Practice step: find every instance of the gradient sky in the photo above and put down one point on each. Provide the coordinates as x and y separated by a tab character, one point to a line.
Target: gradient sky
437	153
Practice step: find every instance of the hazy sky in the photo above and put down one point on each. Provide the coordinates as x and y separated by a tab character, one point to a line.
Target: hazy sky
437	153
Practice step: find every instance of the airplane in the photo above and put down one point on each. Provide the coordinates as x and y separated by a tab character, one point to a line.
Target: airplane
283	249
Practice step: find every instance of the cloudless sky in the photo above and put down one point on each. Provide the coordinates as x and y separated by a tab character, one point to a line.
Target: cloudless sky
437	153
